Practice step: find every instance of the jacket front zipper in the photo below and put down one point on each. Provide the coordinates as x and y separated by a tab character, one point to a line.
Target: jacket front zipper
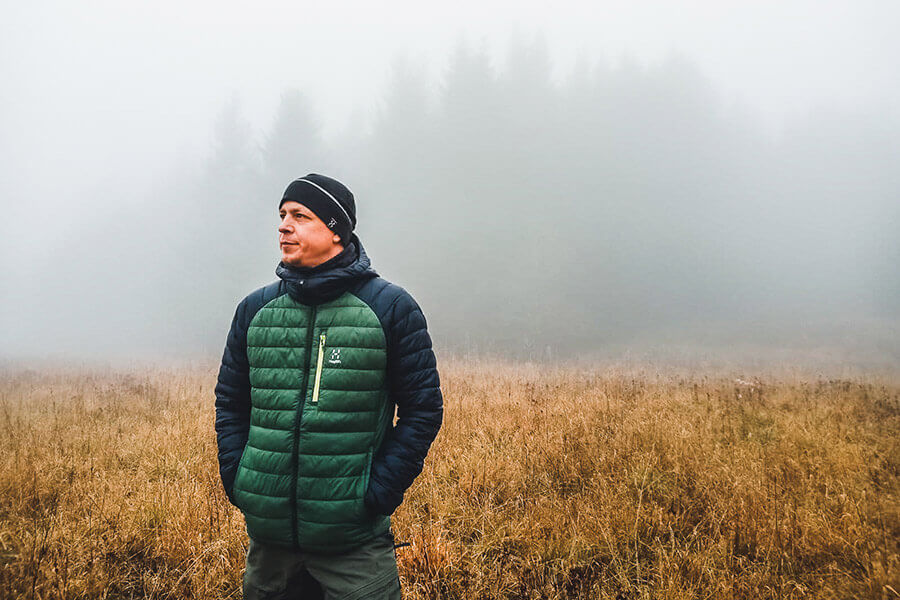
315	396
295	455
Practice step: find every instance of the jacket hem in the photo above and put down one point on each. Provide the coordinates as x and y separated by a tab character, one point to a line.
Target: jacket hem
324	549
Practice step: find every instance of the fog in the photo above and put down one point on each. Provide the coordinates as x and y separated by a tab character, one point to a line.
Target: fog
692	181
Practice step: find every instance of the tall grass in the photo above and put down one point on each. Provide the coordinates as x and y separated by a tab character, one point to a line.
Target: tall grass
543	483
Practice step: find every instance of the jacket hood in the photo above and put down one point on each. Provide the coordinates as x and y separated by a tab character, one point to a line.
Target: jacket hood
325	282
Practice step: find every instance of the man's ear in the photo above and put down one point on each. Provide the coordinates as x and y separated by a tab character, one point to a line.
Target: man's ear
336	239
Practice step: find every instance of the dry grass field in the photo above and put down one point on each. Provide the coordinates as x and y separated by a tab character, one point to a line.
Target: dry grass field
543	483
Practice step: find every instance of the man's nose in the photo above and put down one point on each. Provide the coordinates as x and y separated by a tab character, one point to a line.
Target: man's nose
284	228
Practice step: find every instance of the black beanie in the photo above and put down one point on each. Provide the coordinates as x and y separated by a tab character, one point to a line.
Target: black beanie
328	198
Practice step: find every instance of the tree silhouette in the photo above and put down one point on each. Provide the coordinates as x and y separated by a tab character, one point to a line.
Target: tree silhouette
293	144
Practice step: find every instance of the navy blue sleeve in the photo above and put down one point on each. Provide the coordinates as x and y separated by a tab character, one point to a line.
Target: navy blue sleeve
233	400
414	385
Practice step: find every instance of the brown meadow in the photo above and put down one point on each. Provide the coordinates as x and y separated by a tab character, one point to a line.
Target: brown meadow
544	482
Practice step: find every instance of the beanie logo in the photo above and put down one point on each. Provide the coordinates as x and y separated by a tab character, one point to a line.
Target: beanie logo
332	222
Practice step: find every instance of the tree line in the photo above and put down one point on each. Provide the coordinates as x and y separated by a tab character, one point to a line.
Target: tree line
536	217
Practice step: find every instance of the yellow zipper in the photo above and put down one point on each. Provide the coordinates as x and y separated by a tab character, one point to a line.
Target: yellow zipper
315	397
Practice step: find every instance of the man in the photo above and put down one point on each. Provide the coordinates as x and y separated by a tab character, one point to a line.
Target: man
314	365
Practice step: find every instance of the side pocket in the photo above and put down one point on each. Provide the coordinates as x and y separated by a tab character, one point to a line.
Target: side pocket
368	470
237	475
365	482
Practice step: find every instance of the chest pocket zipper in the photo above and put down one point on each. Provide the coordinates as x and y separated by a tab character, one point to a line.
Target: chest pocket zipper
319	359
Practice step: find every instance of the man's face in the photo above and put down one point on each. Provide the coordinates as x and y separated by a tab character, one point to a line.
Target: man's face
305	240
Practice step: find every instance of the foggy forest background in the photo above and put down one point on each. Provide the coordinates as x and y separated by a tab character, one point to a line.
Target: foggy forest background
625	209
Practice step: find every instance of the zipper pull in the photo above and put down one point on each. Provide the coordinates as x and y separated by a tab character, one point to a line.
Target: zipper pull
319	359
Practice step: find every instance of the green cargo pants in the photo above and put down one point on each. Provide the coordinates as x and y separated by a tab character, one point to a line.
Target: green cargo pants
368	572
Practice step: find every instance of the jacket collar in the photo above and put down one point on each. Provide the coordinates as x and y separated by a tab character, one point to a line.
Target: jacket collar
327	281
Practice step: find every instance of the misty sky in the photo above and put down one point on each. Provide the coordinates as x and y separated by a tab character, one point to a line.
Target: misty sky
104	100
89	84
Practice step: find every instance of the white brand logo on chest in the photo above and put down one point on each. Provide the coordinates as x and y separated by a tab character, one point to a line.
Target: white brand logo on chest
335	358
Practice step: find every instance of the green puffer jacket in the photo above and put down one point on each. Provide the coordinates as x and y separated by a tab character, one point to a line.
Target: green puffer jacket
327	355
